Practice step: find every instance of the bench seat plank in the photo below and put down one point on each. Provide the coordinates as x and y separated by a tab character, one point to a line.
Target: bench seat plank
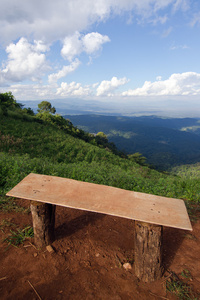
103	199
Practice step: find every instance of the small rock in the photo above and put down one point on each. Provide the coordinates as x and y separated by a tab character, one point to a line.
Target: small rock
49	249
127	266
97	254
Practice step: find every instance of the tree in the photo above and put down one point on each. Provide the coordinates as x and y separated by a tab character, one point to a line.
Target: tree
7	101
45	106
28	111
102	136
138	158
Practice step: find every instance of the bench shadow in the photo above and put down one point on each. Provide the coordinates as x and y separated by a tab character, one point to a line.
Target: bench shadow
70	227
172	240
172	237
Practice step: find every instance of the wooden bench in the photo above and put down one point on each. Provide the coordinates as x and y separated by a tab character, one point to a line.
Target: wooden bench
150	213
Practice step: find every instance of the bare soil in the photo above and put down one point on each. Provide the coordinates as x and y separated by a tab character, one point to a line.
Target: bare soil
87	263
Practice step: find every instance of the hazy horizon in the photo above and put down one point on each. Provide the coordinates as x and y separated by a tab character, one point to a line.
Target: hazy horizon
78	107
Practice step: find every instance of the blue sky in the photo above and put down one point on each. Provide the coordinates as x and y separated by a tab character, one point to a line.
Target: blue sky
143	54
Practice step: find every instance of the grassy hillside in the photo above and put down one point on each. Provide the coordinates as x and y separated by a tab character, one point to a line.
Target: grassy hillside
49	144
28	145
164	142
187	171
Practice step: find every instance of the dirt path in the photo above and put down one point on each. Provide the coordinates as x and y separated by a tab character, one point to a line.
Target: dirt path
88	258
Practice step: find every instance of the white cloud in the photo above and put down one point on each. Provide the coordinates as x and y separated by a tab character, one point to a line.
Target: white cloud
179	47
72	46
39	46
31	91
25	61
106	87
93	41
40	91
176	4
73	89
54	20
167	32
75	44
159	19
181	4
196	19
53	78
187	83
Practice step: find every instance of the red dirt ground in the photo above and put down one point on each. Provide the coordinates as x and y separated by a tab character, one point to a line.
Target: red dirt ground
87	263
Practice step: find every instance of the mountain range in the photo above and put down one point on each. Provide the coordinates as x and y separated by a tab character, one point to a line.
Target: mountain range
165	142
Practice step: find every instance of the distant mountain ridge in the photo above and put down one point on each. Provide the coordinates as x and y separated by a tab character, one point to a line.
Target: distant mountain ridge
165	142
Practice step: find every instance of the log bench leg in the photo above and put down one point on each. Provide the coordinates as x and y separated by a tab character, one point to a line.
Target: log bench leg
43	216
148	251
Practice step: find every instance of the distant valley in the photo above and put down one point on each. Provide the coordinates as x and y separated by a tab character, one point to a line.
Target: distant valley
165	142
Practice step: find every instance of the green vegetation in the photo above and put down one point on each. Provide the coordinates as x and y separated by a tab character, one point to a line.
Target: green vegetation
187	171
161	140
7	101
180	288
138	158
5	224
49	144
45	106
11	205
19	236
46	143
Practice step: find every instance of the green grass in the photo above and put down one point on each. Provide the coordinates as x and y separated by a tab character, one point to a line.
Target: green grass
186	274
18	237
187	171
15	167
5	223
180	289
18	136
8	205
28	146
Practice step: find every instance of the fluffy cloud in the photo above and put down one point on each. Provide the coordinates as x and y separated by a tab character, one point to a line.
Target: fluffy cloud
40	91
25	61
76	89
106	87
73	89
75	44
72	46
184	84
31	91
53	78
93	41
54	20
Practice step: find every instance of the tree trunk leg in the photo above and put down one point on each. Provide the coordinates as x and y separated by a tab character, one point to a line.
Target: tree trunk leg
148	251
43	216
